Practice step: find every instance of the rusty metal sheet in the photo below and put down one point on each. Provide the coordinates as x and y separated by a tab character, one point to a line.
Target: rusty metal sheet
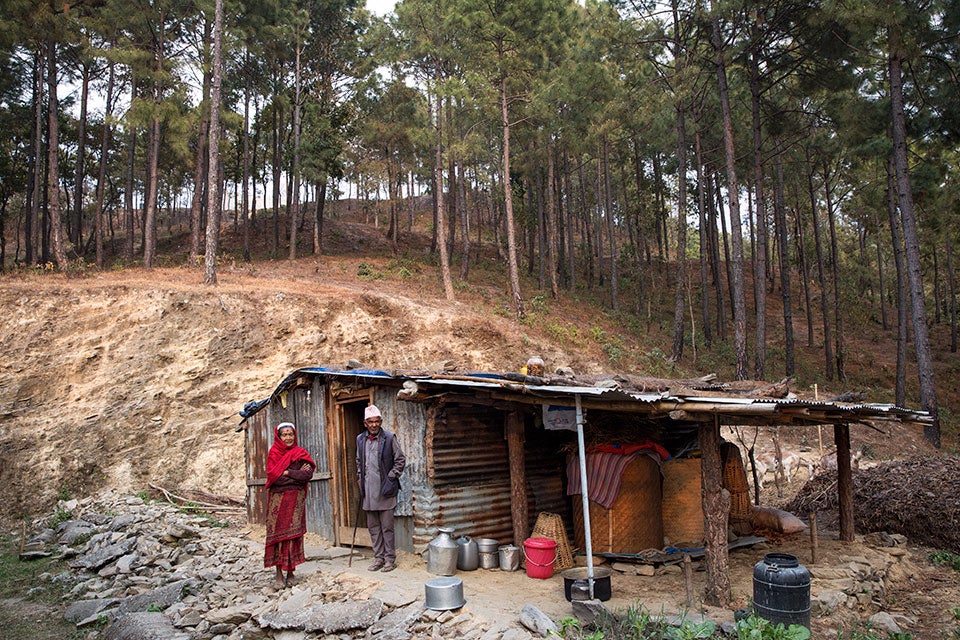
303	406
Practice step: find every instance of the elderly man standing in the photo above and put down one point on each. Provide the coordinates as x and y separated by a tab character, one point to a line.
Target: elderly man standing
380	463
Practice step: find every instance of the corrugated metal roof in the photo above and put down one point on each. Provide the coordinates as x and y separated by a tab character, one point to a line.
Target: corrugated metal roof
515	386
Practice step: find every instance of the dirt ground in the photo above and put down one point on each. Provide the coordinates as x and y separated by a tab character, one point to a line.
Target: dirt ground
129	377
917	595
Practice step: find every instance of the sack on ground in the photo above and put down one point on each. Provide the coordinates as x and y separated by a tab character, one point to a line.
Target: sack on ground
775	519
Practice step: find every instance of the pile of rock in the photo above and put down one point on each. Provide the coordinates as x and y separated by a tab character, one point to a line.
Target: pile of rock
860	580
143	570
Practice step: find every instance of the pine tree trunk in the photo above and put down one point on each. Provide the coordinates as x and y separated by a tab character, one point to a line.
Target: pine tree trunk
704	245
713	239
128	191
736	239
952	300
200	168
438	190
294	199
937	294
611	230
150	206
821	276
598	219
911	243
214	206
76	235
551	226
570	226
277	128
318	215
102	174
53	160
786	295
760	264
839	354
881	278
453	206
727	261
903	322
246	168
716	510
586	226
32	222
464	219
508	206
679	294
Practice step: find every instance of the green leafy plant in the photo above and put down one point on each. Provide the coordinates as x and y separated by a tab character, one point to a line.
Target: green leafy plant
367	272
947	558
538	303
59	516
598	335
569	628
757	628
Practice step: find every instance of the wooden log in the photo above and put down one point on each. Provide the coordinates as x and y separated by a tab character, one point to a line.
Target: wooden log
518	476
841	437
716	508
814	538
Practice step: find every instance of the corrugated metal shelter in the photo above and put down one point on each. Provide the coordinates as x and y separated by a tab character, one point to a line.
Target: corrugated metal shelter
478	457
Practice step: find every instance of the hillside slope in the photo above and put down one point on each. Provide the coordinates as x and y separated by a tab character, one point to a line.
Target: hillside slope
122	377
129	377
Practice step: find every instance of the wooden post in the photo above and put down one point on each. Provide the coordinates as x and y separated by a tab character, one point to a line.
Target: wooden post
688	580
716	509
518	477
814	540
841	437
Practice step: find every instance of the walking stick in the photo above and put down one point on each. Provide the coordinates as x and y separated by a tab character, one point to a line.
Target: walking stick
356	523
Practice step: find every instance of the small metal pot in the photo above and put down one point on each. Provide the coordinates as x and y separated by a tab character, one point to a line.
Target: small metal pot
489	560
487	545
442	594
575	581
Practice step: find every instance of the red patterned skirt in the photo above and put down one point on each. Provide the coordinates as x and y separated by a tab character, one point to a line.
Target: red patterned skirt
286	526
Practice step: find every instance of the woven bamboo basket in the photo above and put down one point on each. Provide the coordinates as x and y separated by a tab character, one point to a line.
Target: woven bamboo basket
633	523
682	508
550	525
734	475
740	519
735	481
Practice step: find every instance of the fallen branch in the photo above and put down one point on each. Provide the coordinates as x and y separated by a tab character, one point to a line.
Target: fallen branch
173	499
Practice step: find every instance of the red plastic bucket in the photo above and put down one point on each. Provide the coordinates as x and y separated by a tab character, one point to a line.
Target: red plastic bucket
540	554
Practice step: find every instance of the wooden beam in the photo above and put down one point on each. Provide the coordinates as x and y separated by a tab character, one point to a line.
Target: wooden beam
519	513
841	437
716	510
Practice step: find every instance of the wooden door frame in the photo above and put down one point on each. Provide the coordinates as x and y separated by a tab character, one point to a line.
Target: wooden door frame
341	436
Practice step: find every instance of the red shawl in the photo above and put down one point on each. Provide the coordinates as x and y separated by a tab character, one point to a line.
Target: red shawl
281	456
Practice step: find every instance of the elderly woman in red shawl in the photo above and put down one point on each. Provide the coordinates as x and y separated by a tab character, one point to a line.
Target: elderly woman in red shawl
289	468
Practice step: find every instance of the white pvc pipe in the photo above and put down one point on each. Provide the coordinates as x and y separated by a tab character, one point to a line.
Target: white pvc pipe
584	495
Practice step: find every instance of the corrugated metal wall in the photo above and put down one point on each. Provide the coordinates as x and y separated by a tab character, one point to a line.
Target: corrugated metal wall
457	471
469	475
303	406
408	422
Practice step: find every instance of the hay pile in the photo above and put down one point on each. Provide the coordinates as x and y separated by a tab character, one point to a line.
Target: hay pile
917	497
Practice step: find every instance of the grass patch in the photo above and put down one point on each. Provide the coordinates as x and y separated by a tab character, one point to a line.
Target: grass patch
30	607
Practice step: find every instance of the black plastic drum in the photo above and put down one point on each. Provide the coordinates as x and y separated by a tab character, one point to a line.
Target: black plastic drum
781	590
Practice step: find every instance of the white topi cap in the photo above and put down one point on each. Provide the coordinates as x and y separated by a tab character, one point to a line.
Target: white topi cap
371	412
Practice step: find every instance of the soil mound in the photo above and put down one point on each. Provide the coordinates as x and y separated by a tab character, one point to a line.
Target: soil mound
918	497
